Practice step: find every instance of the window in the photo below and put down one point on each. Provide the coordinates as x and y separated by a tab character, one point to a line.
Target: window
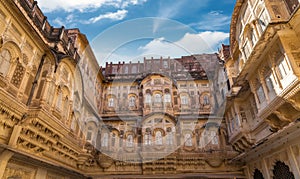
104	142
129	141
4	62
169	138
132	101
113	140
147	138
157	98
246	14
206	100
18	75
214	136
89	133
283	68
188	140
263	20
111	102
167	98
260	94
148	98
158	138
184	100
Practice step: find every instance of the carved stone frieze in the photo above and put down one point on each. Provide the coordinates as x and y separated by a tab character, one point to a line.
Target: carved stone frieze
18	173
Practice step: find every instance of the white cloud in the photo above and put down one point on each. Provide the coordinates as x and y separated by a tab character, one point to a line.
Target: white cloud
59	21
214	20
69	21
119	15
83	5
132	2
203	42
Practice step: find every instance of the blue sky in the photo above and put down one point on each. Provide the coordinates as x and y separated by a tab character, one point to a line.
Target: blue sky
123	30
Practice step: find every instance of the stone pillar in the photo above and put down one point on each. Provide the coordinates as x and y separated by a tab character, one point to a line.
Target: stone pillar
41	173
4	158
293	162
265	169
264	85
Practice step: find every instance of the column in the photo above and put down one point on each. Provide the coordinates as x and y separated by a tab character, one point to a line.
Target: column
41	173
293	161
5	156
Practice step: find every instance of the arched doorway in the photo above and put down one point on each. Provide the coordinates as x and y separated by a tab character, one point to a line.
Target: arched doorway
281	170
258	174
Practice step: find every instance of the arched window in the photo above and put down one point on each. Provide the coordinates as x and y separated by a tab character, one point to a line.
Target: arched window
147	139
131	101
206	100
158	138
167	98
18	75
257	174
157	98
111	102
104	142
184	100
281	170
5	58
148	98
188	140
129	141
